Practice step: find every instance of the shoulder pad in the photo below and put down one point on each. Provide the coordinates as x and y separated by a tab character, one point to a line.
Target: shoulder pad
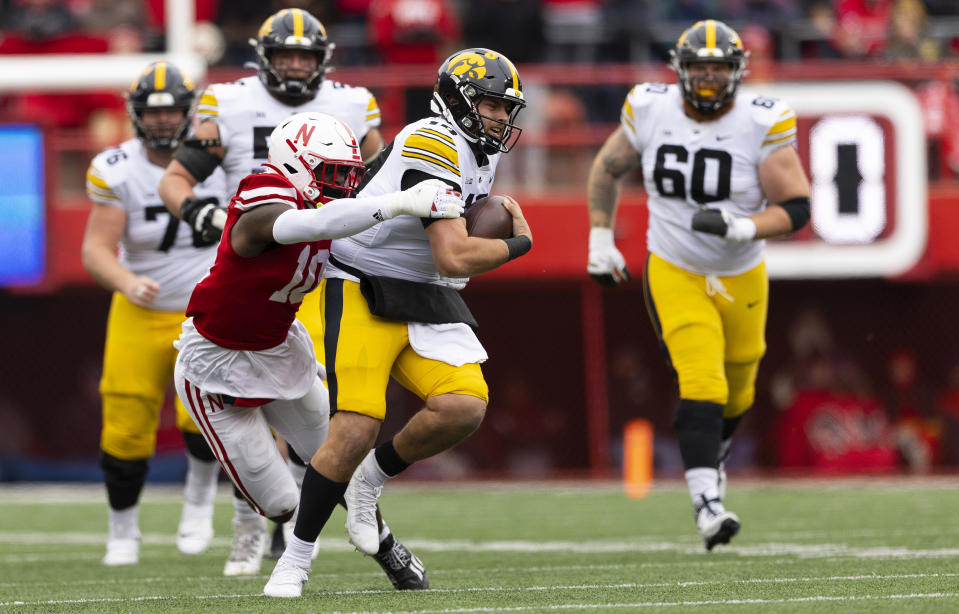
431	148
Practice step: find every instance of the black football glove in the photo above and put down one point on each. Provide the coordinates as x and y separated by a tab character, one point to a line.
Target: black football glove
724	224
205	217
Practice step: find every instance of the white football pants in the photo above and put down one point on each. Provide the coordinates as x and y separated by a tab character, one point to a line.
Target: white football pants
240	438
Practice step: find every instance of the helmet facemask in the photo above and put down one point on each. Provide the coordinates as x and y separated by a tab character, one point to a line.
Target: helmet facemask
281	85
709	99
291	29
472	120
333	180
163	137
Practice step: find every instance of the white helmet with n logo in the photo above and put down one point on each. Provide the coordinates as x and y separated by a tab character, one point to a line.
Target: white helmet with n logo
320	156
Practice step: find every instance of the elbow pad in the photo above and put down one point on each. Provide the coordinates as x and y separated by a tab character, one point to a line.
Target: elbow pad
197	161
798	210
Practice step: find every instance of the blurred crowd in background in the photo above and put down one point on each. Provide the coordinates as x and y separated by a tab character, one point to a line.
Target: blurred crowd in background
423	31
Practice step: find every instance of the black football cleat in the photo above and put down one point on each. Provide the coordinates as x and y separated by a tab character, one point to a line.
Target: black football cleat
402	567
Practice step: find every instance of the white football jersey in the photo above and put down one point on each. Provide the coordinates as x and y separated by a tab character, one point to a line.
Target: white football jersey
400	247
246	113
154	243
688	164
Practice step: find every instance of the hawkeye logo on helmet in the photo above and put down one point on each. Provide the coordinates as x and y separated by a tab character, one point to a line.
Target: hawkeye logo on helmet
471	64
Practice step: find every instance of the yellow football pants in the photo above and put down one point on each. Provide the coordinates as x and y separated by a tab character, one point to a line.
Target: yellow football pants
361	351
712	330
138	364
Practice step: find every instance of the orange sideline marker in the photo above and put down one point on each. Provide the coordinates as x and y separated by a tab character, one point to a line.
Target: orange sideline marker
637	458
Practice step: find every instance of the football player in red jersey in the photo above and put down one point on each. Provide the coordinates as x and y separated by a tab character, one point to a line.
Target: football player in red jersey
235	119
246	365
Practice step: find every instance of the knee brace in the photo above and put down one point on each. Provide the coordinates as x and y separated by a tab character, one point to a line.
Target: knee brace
197	447
124	480
699	426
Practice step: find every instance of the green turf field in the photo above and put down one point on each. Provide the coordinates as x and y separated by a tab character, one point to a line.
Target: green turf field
843	546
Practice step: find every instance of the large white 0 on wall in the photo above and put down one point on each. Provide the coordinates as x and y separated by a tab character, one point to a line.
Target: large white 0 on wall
857	233
847	168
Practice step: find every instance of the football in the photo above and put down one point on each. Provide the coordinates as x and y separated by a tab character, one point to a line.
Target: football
489	219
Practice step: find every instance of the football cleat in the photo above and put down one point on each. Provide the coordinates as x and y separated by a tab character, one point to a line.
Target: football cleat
249	541
122	551
361	524
287	580
195	532
715	527
404	569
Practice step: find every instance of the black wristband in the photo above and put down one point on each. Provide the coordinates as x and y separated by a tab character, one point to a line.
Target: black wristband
798	210
518	246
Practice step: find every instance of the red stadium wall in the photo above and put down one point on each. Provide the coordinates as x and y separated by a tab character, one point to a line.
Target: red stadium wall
560	231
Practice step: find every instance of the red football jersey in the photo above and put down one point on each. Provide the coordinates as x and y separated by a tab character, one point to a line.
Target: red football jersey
250	303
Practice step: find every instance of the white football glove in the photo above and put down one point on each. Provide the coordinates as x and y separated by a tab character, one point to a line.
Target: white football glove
431	198
606	264
724	224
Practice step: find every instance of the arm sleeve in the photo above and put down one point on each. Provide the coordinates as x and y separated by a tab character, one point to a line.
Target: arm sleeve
334	220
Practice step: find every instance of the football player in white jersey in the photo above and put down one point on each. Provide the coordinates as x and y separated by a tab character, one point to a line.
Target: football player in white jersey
391	307
241	371
236	120
160	260
721	172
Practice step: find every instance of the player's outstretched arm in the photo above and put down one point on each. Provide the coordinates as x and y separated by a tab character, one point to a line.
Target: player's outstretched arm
275	223
615	159
456	254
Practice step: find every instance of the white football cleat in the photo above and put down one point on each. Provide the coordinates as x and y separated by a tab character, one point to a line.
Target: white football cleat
122	551
361	524
287	580
716	528
196	529
246	555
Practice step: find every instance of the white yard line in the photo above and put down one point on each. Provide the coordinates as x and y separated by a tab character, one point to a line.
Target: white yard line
92	492
643	604
766	549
